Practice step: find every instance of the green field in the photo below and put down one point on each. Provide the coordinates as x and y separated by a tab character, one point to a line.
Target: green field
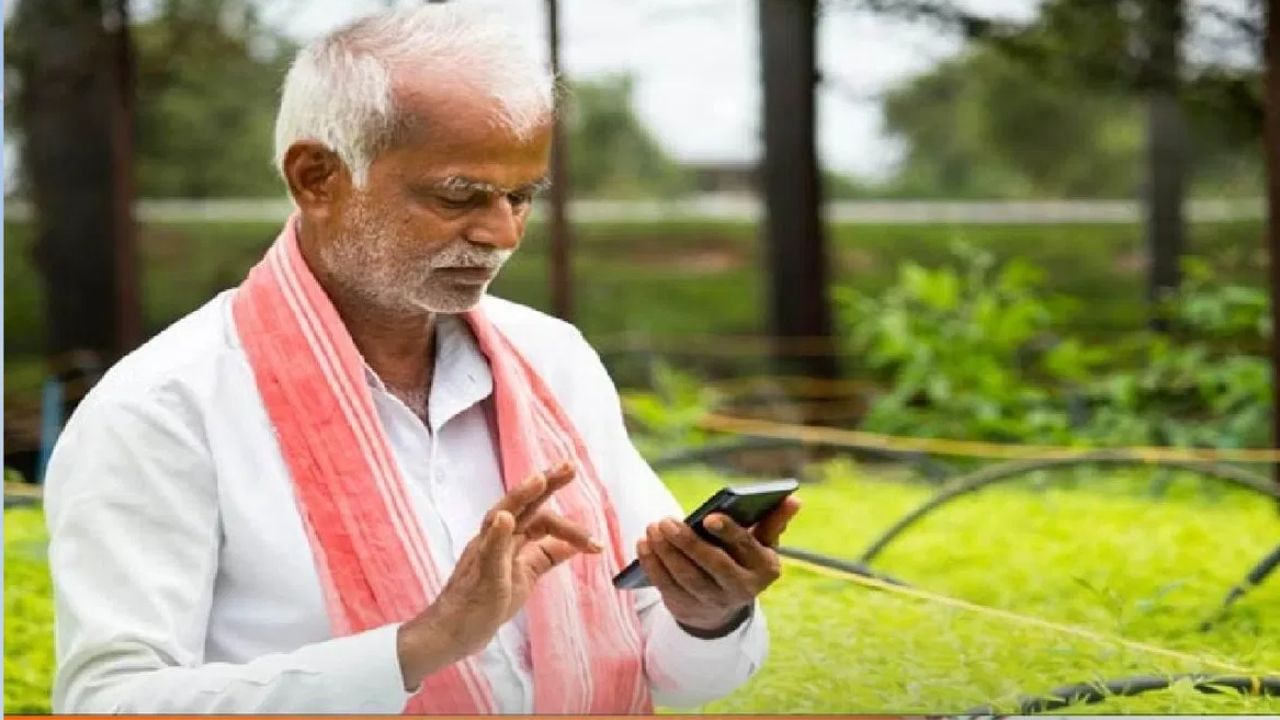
1102	553
671	279
638	284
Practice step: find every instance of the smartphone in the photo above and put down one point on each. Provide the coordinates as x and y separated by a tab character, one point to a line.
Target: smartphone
746	504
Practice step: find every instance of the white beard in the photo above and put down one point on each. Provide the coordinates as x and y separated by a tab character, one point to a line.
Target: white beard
367	263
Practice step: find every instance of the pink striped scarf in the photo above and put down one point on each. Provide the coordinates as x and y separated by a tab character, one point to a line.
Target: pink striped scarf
370	550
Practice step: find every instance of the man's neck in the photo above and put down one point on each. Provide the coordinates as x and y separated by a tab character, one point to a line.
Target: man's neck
398	346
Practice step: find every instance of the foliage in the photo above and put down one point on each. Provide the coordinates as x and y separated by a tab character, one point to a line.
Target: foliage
665	419
1207	384
956	348
208	76
1103	556
611	153
975	127
983	352
987	125
208	79
1053	106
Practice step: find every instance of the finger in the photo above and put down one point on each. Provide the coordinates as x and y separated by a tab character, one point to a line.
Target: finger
516	500
768	531
682	570
549	523
738	542
556	479
498	546
529	497
660	577
713	561
540	556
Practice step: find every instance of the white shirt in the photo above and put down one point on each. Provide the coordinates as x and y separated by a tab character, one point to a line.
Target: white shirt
184	581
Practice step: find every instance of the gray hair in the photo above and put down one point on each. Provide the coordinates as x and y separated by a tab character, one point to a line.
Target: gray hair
339	90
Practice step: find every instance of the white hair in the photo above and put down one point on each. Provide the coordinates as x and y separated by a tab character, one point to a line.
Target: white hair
340	89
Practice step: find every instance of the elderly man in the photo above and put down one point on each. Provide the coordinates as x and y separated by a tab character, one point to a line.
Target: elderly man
357	483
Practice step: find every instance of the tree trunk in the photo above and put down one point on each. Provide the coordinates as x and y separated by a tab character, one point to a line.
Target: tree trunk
71	115
795	247
1272	145
1166	155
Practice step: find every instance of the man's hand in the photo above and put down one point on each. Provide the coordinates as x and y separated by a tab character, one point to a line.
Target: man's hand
707	588
518	543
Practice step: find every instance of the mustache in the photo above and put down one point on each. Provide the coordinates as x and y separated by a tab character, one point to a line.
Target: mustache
464	254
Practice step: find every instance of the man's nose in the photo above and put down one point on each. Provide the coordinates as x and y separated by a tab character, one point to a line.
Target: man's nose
496	224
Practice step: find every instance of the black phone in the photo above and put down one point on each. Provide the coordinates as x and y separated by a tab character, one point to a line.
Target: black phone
745	504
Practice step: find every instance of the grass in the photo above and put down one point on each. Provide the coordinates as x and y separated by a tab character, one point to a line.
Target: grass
1101	553
28	614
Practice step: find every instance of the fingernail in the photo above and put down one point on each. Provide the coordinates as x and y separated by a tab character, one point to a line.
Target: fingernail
714	523
642	548
670	528
594	545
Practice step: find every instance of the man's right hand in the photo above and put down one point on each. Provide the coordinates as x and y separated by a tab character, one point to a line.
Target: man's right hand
518	543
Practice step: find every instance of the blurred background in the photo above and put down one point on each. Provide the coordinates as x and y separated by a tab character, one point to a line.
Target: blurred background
1011	221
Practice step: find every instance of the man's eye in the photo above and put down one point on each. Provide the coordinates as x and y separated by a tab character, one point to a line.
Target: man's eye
519	199
456	200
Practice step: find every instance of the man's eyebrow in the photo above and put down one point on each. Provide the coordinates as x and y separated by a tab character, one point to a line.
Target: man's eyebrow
460	183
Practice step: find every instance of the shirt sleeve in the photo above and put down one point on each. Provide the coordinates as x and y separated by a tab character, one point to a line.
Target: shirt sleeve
132	510
683	670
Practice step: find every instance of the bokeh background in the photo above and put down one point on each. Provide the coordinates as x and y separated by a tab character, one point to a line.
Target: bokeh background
1021	222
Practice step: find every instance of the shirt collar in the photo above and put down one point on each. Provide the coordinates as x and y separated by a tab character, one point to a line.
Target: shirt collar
461	377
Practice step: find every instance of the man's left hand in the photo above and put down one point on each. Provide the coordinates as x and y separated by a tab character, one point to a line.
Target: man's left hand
708	588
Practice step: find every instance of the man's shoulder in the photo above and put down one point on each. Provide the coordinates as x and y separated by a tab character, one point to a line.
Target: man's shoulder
531	329
184	352
555	348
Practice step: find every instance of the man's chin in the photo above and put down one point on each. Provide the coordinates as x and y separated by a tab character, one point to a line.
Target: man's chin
455	302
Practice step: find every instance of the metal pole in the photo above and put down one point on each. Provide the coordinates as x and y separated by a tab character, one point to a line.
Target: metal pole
1272	142
561	237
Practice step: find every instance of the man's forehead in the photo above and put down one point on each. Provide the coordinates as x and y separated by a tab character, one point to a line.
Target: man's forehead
455	103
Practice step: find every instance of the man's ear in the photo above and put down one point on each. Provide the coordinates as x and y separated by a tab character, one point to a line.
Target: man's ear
316	175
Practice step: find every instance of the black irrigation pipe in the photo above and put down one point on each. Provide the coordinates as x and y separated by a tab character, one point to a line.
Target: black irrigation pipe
979	479
931	468
1094	692
1254	578
847	566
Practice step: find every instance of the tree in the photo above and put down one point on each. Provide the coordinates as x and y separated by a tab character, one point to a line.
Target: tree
617	157
983	125
208	81
1133	45
794	239
994	123
70	79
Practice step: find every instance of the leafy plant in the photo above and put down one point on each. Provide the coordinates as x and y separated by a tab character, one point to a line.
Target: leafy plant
666	418
959	348
979	351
